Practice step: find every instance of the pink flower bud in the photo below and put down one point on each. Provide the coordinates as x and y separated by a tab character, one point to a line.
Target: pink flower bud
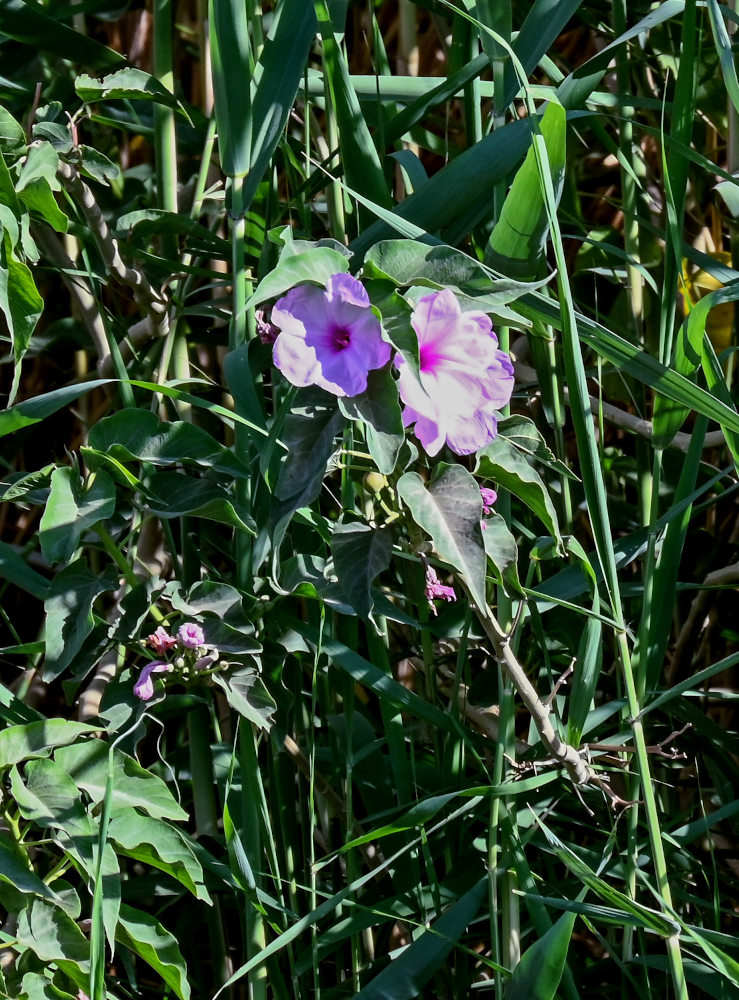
191	635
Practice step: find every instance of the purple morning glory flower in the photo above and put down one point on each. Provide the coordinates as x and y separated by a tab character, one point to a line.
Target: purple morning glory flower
328	337
464	378
191	636
144	686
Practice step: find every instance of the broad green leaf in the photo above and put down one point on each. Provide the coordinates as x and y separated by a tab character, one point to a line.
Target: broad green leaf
15	870
24	486
13	711
68	608
316	265
173	494
502	552
516	244
38	739
309	434
37	183
12	136
502	463
158	843
523	433
146	937
405	977
28	23
145	223
139	435
231	637
379	410
72	508
450	511
129	84
206	596
396	313
17	571
132	784
537	976
20	303
37	987
38	197
97	165
8	197
246	694
134	609
408	262
99	461
53	936
50	797
41	163
220	610
360	554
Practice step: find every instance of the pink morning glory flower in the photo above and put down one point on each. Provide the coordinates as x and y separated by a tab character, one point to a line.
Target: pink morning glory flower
435	588
160	641
328	337
191	636
144	686
464	378
488	500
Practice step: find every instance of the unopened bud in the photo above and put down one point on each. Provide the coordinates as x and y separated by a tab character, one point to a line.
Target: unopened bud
375	482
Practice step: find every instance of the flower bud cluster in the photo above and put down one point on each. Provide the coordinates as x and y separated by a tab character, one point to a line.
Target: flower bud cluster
192	654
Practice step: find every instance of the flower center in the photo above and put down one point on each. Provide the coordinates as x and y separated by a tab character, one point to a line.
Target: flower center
340	338
428	358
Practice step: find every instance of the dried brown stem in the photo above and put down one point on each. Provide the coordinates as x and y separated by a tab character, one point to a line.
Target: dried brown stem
149	301
578	769
78	287
685	644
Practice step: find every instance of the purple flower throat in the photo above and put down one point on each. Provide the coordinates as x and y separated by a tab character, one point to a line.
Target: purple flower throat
340	338
428	357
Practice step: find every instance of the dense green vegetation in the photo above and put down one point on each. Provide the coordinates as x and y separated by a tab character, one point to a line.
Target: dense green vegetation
334	663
